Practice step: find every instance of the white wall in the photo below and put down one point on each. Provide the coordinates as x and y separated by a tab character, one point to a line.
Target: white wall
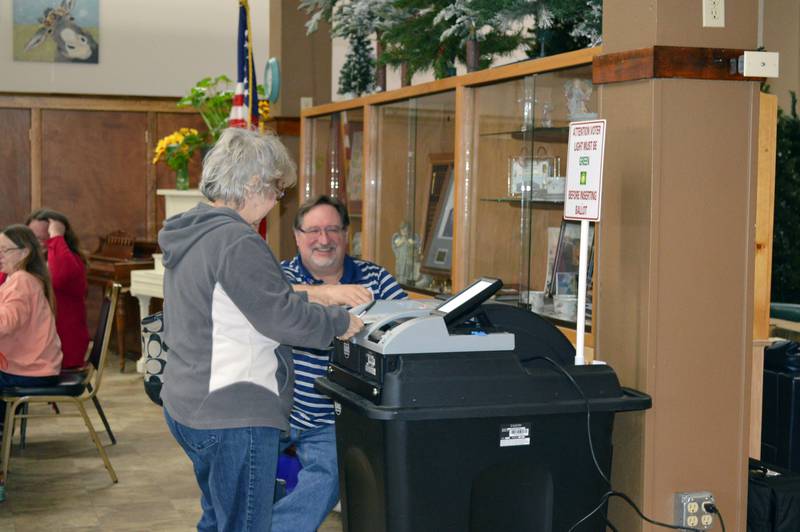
147	48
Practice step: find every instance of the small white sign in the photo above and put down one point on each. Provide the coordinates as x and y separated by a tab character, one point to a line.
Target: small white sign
369	365
584	170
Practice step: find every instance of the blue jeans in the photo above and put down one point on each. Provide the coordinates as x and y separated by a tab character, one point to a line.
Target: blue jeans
317	490
235	469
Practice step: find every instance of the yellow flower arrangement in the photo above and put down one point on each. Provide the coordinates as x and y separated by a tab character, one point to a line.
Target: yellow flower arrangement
176	149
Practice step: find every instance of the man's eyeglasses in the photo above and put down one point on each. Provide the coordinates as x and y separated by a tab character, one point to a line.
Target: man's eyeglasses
316	232
7	250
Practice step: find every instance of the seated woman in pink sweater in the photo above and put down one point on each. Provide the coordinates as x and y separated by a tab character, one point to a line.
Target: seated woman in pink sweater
67	266
31	350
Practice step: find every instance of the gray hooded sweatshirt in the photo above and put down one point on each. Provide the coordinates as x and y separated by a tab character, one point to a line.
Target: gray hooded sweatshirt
227	310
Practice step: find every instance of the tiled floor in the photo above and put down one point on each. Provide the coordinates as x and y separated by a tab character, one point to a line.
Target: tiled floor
59	483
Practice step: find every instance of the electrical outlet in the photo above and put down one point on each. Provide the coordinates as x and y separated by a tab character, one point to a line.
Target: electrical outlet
713	13
690	509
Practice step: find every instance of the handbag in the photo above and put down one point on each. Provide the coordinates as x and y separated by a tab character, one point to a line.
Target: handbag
155	351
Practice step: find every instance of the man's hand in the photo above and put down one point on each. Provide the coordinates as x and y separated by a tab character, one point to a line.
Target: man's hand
355	325
55	228
350	295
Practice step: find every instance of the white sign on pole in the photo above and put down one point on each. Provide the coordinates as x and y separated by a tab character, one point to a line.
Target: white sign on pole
584	170
582	202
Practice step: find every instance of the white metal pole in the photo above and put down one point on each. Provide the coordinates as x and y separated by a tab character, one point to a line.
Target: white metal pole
582	267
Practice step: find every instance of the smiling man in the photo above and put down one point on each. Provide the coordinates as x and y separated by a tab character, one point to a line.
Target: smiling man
323	269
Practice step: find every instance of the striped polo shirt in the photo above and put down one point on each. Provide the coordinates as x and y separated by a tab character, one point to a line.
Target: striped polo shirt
312	409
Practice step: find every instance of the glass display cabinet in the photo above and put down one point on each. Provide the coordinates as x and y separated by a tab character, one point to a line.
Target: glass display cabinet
414	199
517	170
461	178
332	164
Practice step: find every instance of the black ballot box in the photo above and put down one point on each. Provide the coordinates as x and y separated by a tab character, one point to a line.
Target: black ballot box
780	419
773	499
480	441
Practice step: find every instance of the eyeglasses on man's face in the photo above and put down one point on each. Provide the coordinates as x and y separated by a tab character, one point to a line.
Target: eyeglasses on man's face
4	251
330	231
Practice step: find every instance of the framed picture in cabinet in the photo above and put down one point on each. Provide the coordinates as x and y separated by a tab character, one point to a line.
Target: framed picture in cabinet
353	167
564	278
528	175
438	249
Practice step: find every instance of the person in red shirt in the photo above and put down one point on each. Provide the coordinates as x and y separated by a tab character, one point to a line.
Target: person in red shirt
67	268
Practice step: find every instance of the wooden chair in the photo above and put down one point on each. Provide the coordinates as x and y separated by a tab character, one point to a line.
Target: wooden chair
76	387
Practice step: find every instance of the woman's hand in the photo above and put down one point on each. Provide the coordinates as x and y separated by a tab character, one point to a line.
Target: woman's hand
350	295
355	325
55	228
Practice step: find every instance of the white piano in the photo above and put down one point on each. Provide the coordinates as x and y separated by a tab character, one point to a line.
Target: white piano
147	284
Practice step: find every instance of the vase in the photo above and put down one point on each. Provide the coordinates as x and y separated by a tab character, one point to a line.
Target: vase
182	177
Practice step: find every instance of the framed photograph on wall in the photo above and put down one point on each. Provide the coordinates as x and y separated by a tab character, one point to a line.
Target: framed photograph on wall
527	175
437	255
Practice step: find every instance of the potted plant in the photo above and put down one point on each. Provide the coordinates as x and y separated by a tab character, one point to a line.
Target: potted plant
212	98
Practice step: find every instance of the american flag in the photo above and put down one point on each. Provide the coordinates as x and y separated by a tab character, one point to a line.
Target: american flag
244	111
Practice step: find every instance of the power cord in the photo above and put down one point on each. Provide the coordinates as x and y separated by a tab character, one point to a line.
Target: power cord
577	387
712	509
611	493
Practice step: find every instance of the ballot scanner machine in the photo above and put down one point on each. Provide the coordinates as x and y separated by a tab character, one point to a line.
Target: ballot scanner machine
466	416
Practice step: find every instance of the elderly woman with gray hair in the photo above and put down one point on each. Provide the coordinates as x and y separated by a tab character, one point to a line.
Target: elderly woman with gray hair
230	316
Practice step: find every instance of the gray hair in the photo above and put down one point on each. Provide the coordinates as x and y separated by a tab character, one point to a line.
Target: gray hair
240	155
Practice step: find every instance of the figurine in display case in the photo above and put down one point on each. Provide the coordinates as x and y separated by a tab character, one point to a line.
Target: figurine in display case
578	92
407	248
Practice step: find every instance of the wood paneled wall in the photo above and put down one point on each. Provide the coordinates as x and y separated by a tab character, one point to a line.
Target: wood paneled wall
94	170
90	157
15	165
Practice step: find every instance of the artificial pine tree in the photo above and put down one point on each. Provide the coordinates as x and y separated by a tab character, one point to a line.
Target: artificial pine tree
414	40
473	23
365	17
320	10
357	74
422	34
575	25
433	34
786	234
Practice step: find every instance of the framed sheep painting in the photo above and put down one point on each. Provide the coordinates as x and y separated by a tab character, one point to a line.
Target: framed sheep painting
60	31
